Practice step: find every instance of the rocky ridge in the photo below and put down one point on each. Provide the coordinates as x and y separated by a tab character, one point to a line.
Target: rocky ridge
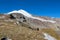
20	25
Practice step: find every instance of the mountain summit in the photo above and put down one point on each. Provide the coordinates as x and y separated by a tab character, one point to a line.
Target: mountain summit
23	12
21	25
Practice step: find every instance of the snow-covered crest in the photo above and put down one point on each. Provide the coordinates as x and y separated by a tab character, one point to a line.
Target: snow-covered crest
22	12
30	16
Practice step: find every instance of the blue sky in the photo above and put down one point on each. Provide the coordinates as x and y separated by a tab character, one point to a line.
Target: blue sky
36	7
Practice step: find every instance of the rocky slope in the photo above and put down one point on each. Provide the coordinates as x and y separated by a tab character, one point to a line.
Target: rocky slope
20	25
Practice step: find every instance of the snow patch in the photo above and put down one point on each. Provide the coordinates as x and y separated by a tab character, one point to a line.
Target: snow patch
48	37
43	20
30	16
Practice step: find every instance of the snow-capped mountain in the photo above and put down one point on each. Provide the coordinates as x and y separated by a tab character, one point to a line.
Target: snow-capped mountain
34	21
23	12
21	22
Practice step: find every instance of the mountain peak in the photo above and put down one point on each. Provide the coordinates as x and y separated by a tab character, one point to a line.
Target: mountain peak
19	24
21	11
